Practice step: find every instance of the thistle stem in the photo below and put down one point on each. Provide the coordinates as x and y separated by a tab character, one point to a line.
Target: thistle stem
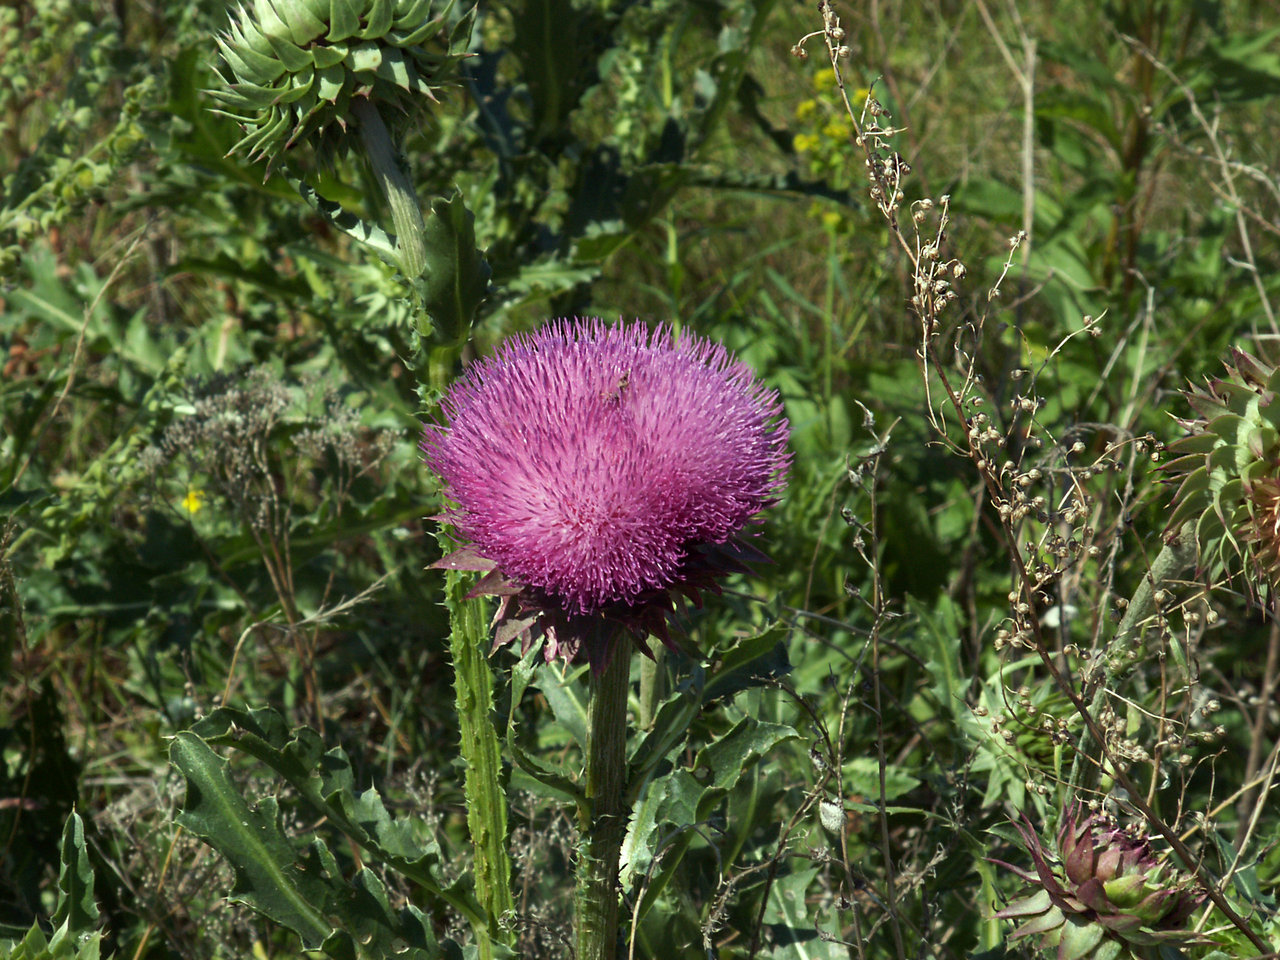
486	802
405	213
603	817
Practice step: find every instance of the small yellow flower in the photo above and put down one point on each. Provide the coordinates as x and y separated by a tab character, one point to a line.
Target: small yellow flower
803	142
805	109
831	219
835	130
824	80
193	500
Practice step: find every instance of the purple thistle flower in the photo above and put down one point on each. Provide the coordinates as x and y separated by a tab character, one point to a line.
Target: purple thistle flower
596	468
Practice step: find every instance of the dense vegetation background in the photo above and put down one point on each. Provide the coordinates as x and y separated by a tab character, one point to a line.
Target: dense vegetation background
211	491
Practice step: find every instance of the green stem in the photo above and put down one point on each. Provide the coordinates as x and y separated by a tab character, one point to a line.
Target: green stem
603	818
405	212
1173	560
486	802
651	686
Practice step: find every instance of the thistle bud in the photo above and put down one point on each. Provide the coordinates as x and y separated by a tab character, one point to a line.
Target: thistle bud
1228	468
294	69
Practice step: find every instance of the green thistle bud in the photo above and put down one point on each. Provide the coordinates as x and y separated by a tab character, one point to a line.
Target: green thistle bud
1104	896
300	70
1229	470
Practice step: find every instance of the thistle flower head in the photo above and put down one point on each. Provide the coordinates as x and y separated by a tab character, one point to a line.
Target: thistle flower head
596	469
294	67
1105	896
1228	470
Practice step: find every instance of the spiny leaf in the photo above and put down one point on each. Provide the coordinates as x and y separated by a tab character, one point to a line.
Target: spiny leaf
268	877
325	780
457	276
76	909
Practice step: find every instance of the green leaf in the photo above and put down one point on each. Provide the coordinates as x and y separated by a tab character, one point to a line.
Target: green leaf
565	700
304	888
325	781
688	801
795	929
371	235
862	775
669	727
752	662
76	911
268	876
75	917
457	275
943	632
666	801
555	781
747	742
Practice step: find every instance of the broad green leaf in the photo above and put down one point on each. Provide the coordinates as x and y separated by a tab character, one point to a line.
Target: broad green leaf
794	926
325	780
747	742
303	889
371	235
457	275
752	662
689	801
862	775
269	877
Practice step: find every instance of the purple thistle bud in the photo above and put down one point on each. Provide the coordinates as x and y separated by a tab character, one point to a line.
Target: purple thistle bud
590	465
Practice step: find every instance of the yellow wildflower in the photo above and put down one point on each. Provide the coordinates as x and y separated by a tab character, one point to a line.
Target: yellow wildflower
803	142
824	80
835	130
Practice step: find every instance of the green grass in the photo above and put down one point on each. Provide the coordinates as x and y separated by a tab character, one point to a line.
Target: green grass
144	580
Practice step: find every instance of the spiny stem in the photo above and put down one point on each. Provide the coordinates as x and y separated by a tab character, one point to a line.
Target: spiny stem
603	818
486	802
405	212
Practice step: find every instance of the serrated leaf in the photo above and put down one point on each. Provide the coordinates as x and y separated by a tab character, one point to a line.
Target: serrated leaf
369	234
325	780
667	800
752	662
76	907
689	801
670	724
268	878
457	276
747	742
637	846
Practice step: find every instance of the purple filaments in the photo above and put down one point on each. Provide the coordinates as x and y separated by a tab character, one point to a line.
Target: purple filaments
586	460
